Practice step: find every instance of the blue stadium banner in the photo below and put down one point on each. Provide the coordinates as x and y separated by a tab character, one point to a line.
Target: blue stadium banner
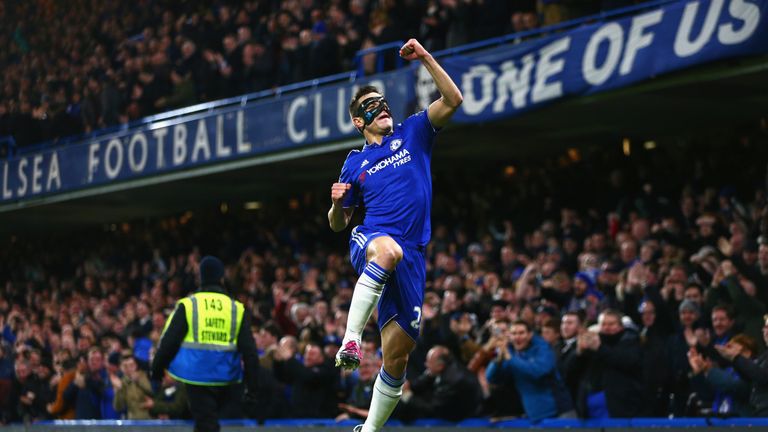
268	126
604	55
496	83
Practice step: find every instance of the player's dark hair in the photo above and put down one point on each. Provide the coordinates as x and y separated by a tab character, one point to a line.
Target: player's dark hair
360	93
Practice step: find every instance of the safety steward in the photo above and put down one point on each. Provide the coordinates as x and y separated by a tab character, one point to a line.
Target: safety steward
207	344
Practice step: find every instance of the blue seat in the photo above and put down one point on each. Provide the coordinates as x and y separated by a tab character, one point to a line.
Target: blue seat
736	421
475	422
514	423
432	422
85	424
239	422
560	423
301	422
607	423
355	422
666	422
349	422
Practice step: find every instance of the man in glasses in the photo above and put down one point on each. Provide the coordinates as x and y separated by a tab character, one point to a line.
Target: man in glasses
391	175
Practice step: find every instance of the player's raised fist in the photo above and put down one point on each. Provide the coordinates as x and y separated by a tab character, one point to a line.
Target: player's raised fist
413	50
339	191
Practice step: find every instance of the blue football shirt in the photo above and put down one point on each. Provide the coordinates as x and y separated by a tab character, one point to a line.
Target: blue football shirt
394	181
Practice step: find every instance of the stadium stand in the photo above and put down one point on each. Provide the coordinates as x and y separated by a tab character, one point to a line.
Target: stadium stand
690	249
83	66
673	241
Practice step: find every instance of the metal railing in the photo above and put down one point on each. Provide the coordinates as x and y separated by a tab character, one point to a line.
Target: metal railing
378	51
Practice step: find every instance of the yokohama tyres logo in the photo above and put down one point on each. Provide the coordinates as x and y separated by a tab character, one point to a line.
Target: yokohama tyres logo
397	159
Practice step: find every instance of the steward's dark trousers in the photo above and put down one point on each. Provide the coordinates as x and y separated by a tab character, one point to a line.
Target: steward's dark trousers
209	403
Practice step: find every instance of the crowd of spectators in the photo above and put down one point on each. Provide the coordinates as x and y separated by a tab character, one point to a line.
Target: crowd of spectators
591	285
83	65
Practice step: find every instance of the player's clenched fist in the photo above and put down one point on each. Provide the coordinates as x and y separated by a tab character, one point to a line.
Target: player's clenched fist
413	50
339	191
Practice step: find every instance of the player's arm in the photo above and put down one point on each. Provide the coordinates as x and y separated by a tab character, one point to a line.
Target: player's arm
441	110
338	216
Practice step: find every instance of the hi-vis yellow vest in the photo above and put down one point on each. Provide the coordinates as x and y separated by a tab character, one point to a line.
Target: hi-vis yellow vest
208	355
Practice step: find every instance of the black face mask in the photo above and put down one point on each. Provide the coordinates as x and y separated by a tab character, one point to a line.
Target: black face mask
370	108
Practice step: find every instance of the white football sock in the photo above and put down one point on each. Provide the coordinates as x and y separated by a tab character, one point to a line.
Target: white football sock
365	297
386	394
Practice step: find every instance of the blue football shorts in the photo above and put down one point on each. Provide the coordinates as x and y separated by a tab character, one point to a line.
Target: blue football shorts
403	294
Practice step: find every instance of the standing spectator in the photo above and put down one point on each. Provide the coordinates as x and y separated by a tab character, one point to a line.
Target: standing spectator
731	391
653	340
433	27
499	399
678	346
754	371
745	309
722	325
456	18
269	401
22	395
360	396
64	366
256	73
266	342
183	91
445	390
531	366
170	401
459	338
42	391
91	389
324	54
585	297
132	390
567	362
612	385
312	382
550	332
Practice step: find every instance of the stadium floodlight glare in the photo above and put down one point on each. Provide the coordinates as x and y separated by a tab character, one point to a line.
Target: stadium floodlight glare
252	205
649	145
626	147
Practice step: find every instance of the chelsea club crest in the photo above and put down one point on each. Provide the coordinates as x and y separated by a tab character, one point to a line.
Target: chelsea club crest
395	144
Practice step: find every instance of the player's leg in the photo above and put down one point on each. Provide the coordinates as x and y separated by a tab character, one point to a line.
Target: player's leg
396	346
399	323
382	254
